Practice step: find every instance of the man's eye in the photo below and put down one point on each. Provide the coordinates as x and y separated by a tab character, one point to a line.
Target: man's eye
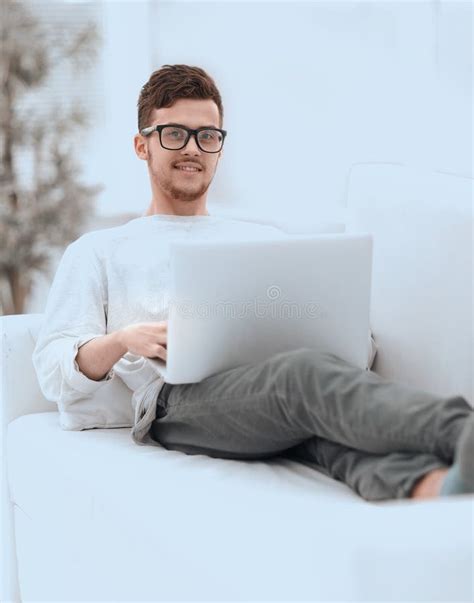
176	133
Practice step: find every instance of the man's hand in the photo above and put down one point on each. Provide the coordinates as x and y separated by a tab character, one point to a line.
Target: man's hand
147	339
96	357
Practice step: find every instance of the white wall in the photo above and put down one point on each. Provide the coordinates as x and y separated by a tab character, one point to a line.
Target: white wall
365	82
125	65
360	81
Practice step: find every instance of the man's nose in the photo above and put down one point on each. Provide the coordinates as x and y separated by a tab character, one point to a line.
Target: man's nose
191	147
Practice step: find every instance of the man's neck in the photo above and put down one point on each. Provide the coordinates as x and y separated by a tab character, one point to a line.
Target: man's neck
186	210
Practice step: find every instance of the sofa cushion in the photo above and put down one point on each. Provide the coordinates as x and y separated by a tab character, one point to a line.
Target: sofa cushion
99	518
421	303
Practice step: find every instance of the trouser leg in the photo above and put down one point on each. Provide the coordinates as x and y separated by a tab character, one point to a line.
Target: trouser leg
372	476
260	410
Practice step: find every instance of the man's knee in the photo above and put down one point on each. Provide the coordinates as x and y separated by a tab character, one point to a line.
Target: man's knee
304	364
306	357
300	364
295	371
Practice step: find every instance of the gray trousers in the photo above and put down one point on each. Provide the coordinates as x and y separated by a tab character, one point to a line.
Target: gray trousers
377	436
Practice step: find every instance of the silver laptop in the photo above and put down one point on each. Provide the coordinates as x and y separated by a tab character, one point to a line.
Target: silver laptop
234	303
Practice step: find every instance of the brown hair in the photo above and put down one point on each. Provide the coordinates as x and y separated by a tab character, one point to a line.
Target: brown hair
172	82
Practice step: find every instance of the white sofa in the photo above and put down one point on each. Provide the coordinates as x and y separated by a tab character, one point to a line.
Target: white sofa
90	516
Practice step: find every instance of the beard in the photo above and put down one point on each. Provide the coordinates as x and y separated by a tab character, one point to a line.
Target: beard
185	192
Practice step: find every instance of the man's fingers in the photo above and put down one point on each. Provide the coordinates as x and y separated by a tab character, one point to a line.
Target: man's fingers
161	352
158	328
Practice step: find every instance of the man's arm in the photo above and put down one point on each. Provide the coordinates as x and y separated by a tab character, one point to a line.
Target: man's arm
74	355
75	314
97	357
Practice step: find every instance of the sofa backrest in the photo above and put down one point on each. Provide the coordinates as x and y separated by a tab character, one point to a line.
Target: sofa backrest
421	304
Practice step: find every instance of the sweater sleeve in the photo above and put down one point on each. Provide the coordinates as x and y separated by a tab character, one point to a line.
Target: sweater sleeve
75	313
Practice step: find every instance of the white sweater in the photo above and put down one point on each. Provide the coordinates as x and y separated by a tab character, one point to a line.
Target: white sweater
107	280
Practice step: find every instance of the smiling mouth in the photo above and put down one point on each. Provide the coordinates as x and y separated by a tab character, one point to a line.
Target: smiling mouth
188	170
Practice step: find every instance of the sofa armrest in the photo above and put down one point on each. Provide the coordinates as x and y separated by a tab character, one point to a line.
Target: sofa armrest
20	393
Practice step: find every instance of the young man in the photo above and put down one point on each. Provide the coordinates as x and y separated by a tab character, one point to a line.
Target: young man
106	315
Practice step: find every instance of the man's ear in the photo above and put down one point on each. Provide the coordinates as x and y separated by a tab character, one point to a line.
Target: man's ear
140	146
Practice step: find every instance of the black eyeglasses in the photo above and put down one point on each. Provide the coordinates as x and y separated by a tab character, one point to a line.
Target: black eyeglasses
175	137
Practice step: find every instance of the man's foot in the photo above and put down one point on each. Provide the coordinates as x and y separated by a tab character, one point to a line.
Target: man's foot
430	484
460	477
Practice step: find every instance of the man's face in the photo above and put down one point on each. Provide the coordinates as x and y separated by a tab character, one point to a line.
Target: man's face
163	164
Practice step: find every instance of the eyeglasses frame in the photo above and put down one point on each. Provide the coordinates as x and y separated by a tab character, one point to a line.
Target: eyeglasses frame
190	132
